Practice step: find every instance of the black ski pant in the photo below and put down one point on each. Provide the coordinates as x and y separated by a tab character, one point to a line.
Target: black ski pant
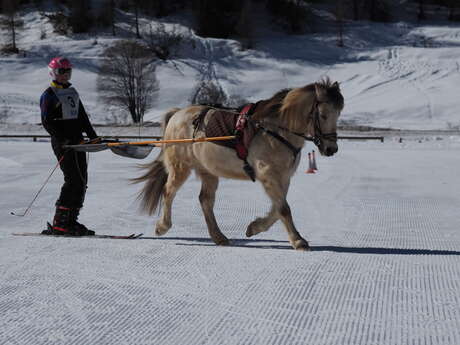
75	170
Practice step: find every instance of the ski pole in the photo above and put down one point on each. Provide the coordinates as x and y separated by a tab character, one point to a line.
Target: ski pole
39	191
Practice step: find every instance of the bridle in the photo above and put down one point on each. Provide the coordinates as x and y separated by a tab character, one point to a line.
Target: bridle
317	137
318	133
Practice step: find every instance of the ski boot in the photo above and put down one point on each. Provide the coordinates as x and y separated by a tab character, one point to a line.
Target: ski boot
78	227
65	224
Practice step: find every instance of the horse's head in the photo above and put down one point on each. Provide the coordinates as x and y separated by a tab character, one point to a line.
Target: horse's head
324	116
314	110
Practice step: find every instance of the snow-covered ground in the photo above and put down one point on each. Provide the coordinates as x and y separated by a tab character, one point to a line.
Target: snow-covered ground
382	220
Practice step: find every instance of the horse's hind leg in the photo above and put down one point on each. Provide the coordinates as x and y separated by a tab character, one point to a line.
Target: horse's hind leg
176	178
207	199
277	192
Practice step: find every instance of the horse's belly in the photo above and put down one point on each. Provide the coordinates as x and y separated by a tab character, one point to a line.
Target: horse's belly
219	161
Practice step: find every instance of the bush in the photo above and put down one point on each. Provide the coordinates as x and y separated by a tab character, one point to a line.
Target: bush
9	49
59	21
208	92
162	43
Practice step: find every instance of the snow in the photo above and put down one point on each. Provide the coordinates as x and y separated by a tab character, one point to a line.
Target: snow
381	218
397	75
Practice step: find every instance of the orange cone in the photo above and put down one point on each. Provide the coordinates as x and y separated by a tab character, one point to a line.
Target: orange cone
310	167
313	161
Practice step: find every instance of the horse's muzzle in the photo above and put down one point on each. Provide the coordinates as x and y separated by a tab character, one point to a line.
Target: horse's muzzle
328	150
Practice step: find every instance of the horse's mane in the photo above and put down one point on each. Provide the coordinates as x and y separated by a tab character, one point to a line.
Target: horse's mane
332	92
270	107
290	99
292	106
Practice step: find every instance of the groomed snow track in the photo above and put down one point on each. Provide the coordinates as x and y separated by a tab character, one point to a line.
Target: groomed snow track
382	220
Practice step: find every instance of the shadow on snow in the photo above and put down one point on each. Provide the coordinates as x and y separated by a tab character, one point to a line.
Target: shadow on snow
274	244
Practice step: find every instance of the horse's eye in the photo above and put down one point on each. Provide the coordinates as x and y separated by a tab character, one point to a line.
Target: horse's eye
323	117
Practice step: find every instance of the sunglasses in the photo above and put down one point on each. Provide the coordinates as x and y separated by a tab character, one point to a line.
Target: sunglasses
64	70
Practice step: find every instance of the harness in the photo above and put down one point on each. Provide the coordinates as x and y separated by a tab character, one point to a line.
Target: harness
316	138
244	119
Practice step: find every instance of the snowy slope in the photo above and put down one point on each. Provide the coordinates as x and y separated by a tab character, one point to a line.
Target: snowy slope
396	75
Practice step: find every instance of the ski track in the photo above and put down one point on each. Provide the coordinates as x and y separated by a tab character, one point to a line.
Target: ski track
364	282
396	68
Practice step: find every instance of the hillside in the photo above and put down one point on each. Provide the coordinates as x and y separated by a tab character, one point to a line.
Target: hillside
397	75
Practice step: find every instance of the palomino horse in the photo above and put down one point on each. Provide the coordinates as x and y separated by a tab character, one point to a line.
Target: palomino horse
285	121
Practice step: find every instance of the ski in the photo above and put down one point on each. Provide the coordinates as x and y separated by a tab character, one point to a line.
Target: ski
113	237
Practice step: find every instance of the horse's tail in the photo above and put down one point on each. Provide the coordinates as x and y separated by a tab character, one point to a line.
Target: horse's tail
156	176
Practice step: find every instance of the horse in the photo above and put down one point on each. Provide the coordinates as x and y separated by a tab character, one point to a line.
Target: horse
284	122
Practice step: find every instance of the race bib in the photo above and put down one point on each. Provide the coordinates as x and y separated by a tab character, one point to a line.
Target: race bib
70	102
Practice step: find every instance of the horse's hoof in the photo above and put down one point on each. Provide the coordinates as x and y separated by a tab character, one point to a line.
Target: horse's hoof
160	229
301	245
254	229
222	242
250	230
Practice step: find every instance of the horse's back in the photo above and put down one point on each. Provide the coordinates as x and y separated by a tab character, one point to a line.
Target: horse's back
180	124
204	156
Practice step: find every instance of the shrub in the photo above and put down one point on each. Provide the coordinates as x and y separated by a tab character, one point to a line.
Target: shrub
59	21
162	43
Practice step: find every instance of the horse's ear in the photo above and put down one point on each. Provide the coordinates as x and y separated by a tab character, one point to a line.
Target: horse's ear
336	86
321	92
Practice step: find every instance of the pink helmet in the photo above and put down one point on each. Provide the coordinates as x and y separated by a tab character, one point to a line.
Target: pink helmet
59	65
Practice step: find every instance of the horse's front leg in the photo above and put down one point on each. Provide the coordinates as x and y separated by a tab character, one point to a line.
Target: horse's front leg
277	192
262	224
207	199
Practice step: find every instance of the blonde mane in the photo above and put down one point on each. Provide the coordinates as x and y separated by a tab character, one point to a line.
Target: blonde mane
293	106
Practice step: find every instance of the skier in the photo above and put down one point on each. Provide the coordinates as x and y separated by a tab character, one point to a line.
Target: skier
65	119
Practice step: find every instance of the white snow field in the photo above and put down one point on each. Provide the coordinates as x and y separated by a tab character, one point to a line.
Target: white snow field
382	220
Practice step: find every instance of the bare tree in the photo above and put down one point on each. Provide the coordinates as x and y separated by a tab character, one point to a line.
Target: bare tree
105	16
112	16
452	6
11	23
421	10
127	78
80	17
356	9
136	14
293	15
339	20
245	26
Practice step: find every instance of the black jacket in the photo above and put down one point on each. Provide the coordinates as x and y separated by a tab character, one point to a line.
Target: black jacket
69	131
